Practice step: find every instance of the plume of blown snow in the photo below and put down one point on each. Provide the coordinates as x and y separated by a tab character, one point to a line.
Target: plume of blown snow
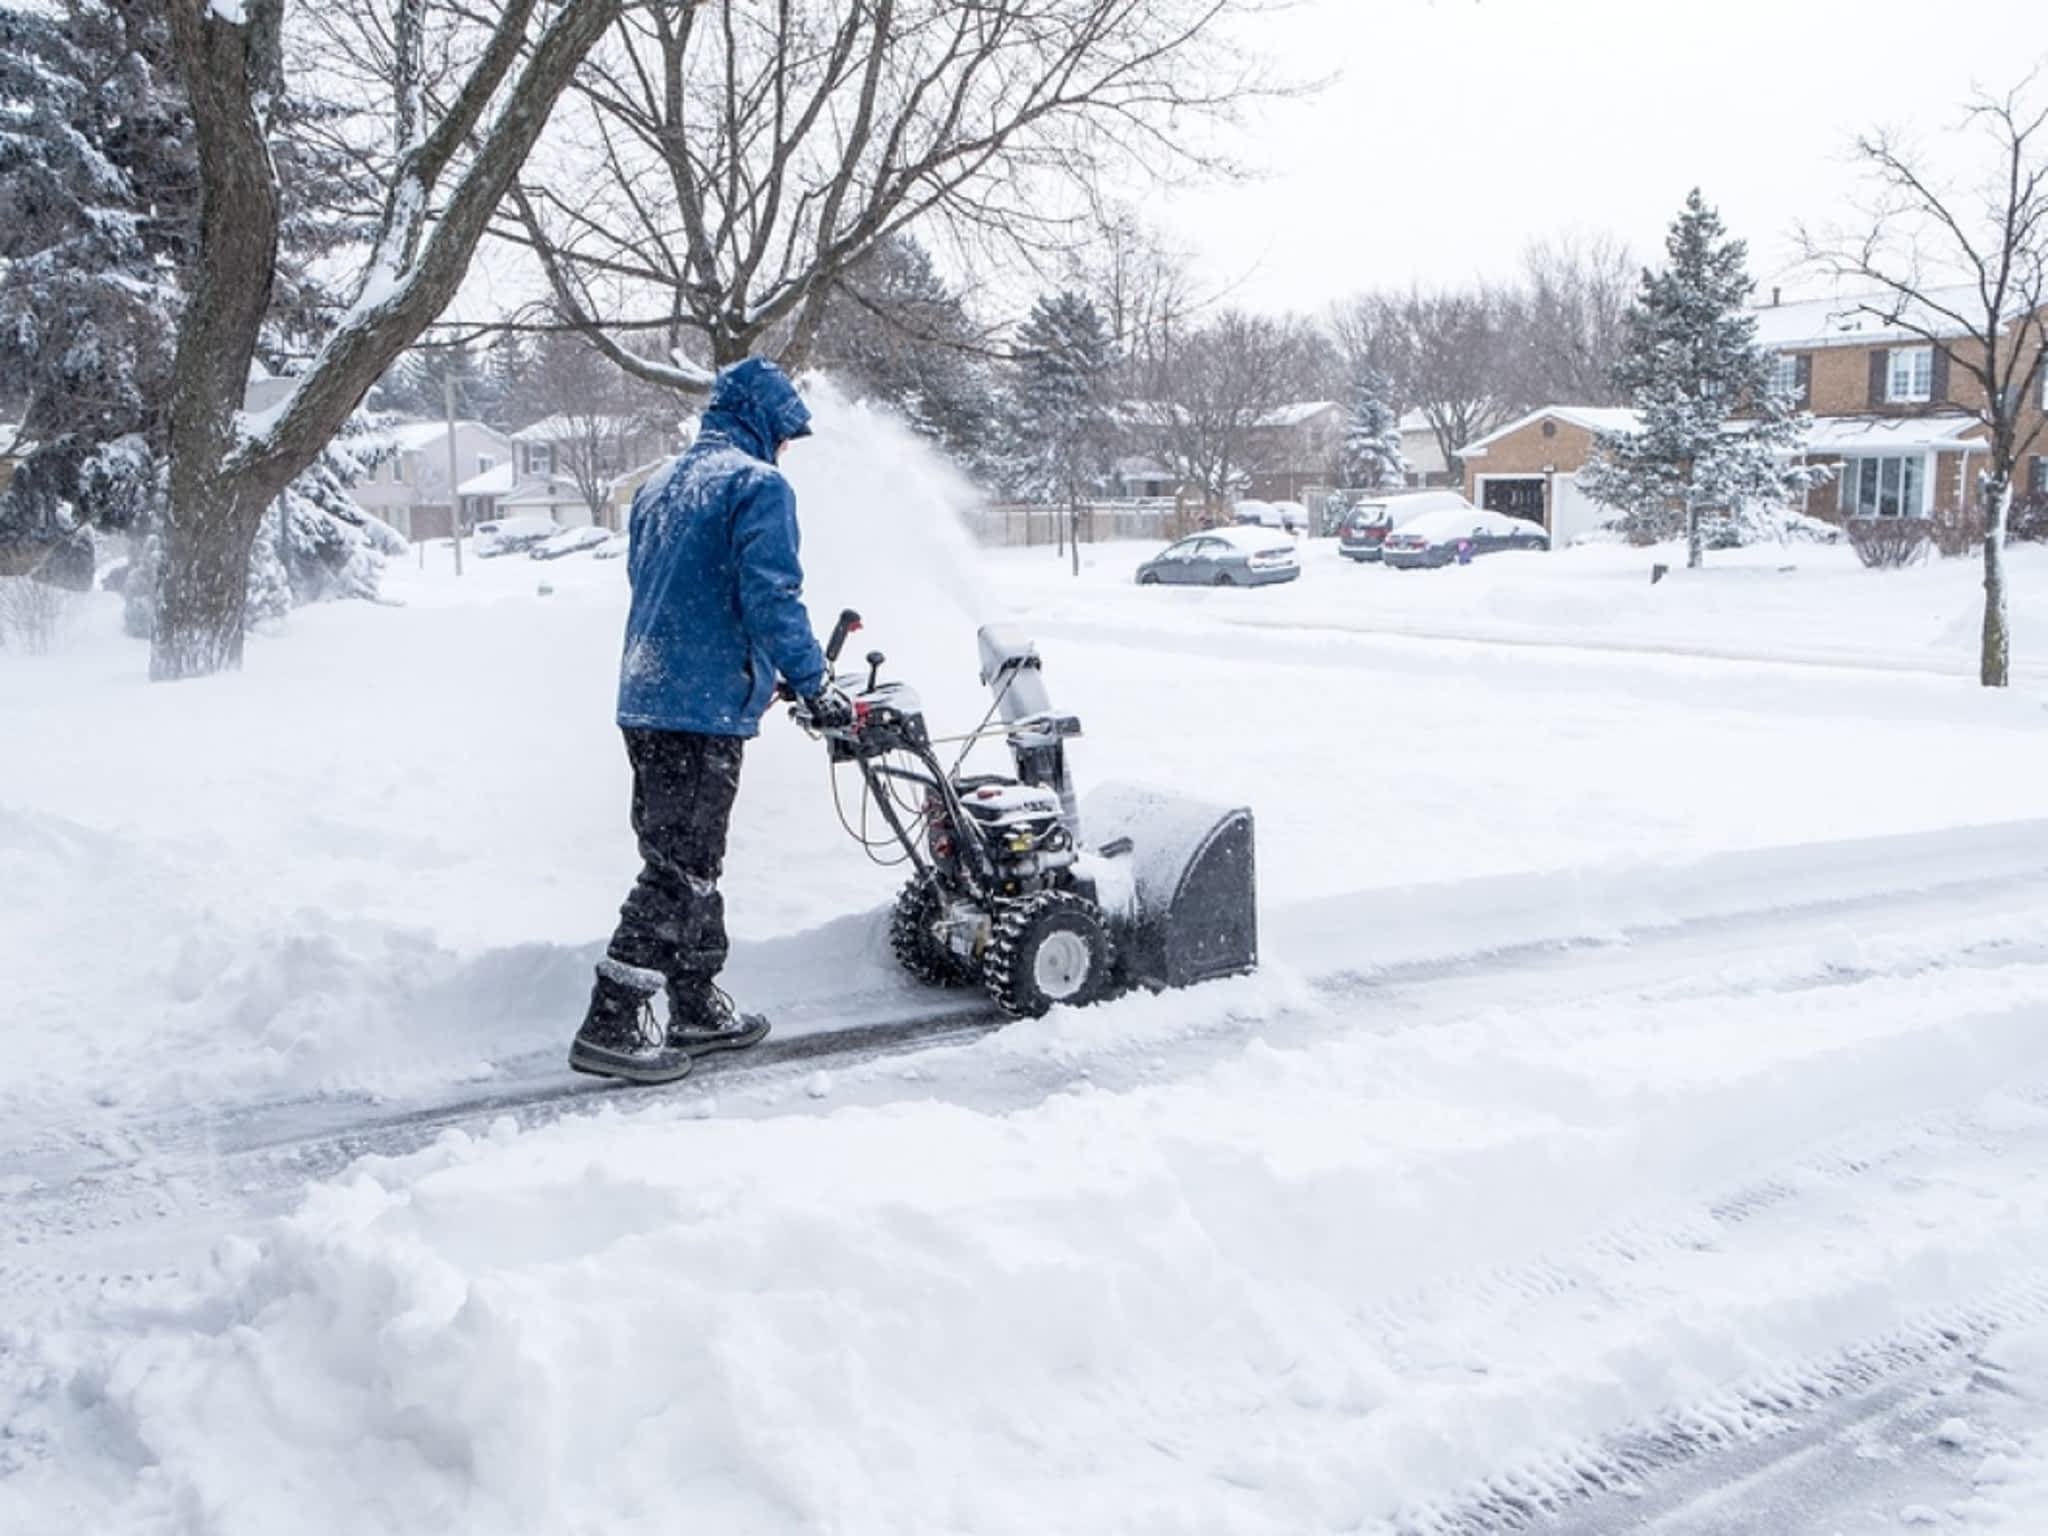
881	512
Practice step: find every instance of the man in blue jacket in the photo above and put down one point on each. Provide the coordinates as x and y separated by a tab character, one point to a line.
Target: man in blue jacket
717	616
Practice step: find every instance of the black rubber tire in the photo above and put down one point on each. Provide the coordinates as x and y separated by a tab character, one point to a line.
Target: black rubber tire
1149	579
916	947
1010	968
1224	579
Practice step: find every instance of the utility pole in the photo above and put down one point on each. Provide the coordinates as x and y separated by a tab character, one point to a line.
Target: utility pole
454	470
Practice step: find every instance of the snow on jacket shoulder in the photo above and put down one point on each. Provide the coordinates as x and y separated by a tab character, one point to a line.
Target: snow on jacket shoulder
717	611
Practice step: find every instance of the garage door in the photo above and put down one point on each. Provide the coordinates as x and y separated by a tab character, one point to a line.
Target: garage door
1574	513
1517	495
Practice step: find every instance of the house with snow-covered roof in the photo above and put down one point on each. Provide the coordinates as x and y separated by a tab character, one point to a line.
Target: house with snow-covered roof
1892	415
580	467
411	490
1892	421
1294	449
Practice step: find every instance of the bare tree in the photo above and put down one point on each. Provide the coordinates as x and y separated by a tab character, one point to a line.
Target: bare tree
1148	295
1449	353
1993	329
739	159
445	177
1215	392
1569	320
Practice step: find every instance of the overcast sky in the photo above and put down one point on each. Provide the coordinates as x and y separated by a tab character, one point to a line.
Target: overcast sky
1460	129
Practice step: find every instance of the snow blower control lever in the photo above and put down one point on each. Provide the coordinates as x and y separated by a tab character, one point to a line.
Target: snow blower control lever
1003	892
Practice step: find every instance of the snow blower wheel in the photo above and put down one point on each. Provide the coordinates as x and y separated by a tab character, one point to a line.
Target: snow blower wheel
1050	948
914	939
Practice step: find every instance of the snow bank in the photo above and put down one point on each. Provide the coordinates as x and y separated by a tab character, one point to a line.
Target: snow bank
1309	1289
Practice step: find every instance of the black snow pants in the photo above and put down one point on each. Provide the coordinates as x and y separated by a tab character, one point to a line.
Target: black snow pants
683	790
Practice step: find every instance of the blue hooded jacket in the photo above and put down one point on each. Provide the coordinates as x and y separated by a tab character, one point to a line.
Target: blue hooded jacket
717	609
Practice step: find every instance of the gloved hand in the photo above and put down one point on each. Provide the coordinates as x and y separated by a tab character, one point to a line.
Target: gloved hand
829	709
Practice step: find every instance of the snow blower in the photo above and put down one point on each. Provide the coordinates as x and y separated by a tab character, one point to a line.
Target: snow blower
1005	890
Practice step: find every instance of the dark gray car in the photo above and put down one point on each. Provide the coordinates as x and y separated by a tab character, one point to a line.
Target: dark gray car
1224	557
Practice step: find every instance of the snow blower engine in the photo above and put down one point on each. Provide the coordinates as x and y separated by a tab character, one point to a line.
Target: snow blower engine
1004	891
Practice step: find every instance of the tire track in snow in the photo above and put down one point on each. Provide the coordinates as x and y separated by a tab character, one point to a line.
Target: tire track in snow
1624	1273
1818	1396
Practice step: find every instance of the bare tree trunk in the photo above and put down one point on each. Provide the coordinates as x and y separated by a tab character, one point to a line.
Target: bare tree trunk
1074	533
1995	663
210	525
207	539
1695	544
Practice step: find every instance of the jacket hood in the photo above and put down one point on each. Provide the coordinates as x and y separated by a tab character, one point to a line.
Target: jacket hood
753	402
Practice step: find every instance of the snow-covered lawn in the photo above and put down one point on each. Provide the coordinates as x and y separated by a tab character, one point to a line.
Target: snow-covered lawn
1344	1245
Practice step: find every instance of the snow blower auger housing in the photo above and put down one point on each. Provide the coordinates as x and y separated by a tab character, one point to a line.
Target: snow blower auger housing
1004	890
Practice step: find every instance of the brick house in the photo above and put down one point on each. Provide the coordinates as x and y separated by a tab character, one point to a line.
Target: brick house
1295	448
1887	421
1887	407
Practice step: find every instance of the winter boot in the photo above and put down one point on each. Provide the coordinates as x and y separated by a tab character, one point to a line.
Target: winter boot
702	1018
618	1037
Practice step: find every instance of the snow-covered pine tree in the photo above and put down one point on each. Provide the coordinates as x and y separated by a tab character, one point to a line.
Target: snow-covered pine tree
95	150
1061	423
415	385
1373	460
1714	447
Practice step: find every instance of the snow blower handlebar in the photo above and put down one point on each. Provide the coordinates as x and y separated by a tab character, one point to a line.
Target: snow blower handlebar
849	621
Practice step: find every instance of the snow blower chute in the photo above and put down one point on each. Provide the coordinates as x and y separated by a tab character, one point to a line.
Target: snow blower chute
1017	886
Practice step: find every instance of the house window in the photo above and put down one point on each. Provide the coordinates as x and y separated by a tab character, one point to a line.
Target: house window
485	462
398	469
540	458
1892	486
1785	374
1910	378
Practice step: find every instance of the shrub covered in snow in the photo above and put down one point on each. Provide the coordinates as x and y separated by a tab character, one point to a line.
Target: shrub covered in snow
1890	542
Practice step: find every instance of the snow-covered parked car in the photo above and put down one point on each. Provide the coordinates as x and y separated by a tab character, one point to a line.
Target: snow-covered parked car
1290	515
570	541
1238	556
614	548
508	535
1366	526
1434	538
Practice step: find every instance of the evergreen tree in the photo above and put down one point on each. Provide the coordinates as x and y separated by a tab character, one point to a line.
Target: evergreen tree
415	385
1060	417
95	179
1373	460
1712	452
